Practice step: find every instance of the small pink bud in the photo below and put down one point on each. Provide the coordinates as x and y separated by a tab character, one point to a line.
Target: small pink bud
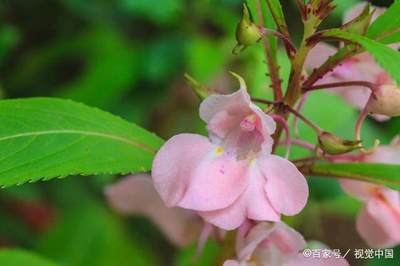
386	102
332	144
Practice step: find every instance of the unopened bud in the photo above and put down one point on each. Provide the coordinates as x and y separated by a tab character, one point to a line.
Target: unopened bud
247	32
201	91
386	101
333	145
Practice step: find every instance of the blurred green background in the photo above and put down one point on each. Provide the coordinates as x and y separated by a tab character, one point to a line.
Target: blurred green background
129	57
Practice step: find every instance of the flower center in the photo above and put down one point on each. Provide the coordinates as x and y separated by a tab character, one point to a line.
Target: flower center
219	150
248	123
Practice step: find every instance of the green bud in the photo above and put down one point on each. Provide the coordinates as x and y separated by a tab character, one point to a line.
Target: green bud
201	91
247	32
334	145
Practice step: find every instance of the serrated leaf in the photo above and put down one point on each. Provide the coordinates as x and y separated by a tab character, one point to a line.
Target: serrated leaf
49	137
18	257
387	57
384	174
386	24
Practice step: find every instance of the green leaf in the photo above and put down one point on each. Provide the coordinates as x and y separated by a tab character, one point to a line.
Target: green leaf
386	24
387	57
277	12
384	174
17	257
48	137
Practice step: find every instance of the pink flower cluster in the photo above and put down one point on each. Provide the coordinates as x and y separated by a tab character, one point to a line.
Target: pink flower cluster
379	221
275	244
230	176
362	67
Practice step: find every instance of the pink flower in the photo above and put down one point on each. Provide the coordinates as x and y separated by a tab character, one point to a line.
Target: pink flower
379	221
233	177
135	195
274	244
361	67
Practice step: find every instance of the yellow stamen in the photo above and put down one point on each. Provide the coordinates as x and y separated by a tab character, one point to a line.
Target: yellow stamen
219	150
251	118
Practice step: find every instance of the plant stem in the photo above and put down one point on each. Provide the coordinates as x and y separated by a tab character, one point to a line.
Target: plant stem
258	100
294	87
273	69
285	126
304	119
286	108
330	64
367	84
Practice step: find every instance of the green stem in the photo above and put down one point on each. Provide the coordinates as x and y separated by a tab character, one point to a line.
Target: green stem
294	87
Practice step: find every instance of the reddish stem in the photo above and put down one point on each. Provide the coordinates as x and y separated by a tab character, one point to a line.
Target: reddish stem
285	126
370	85
273	69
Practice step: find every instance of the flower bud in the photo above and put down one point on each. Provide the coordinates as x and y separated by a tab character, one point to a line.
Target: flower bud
201	91
247	32
386	101
333	145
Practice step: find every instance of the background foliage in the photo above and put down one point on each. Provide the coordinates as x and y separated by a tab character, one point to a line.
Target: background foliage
128	57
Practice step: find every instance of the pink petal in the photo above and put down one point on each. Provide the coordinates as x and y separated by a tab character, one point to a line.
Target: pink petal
358	189
256	235
259	206
231	263
318	55
379	224
389	154
286	187
356	10
252	204
173	164
300	260
221	124
228	218
237	102
268	123
135	195
288	240
216	182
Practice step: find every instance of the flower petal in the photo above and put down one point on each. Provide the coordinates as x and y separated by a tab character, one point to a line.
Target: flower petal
252	204
358	189
300	260
231	263
379	223
234	103
286	187
135	195
356	10
389	154
256	235
173	164
216	182
228	218
318	55
288	240
267	122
